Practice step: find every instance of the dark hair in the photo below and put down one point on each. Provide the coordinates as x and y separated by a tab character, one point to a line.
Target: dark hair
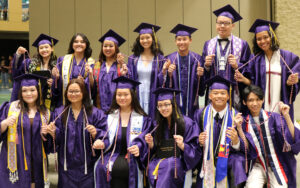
23	105
135	104
138	48
52	60
102	57
162	124
252	89
86	102
274	46
88	50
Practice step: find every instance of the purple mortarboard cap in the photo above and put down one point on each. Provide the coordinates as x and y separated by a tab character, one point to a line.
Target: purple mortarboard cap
111	35
126	83
29	79
183	30
165	93
262	25
229	12
146	28
218	82
44	39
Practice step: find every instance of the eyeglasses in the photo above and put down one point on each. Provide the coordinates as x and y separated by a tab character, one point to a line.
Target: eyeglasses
161	106
75	92
223	23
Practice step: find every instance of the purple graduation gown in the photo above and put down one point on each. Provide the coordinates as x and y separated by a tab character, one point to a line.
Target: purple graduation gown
106	87
188	97
155	80
287	159
257	70
198	117
187	161
33	147
228	74
75	72
135	162
74	176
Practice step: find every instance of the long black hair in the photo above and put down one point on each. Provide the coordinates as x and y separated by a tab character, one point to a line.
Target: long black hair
138	48
135	104
162	124
24	107
86	101
274	46
88	50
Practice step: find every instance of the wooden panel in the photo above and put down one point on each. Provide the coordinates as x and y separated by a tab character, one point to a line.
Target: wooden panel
114	15
39	20
195	14
139	11
167	16
216	4
252	10
62	23
88	21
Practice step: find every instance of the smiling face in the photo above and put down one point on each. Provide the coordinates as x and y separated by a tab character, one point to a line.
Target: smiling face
79	45
74	93
183	43
165	108
29	94
146	40
254	104
219	98
263	40
123	98
109	48
224	26
45	50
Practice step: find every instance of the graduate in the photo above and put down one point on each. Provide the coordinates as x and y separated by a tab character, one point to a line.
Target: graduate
23	161
218	137
145	65
43	61
223	54
184	70
78	63
122	162
275	70
77	125
175	134
273	142
109	67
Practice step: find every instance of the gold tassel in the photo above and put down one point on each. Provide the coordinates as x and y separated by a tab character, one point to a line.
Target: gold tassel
273	33
40	90
52	43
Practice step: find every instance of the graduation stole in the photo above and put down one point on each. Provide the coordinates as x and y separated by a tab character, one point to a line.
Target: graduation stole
236	45
209	173
271	155
12	140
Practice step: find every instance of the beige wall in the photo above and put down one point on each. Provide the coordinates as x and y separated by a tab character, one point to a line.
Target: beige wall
288	32
14	22
61	19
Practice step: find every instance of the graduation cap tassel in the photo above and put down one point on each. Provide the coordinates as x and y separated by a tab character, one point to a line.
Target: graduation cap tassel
230	99
286	145
156	47
273	33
